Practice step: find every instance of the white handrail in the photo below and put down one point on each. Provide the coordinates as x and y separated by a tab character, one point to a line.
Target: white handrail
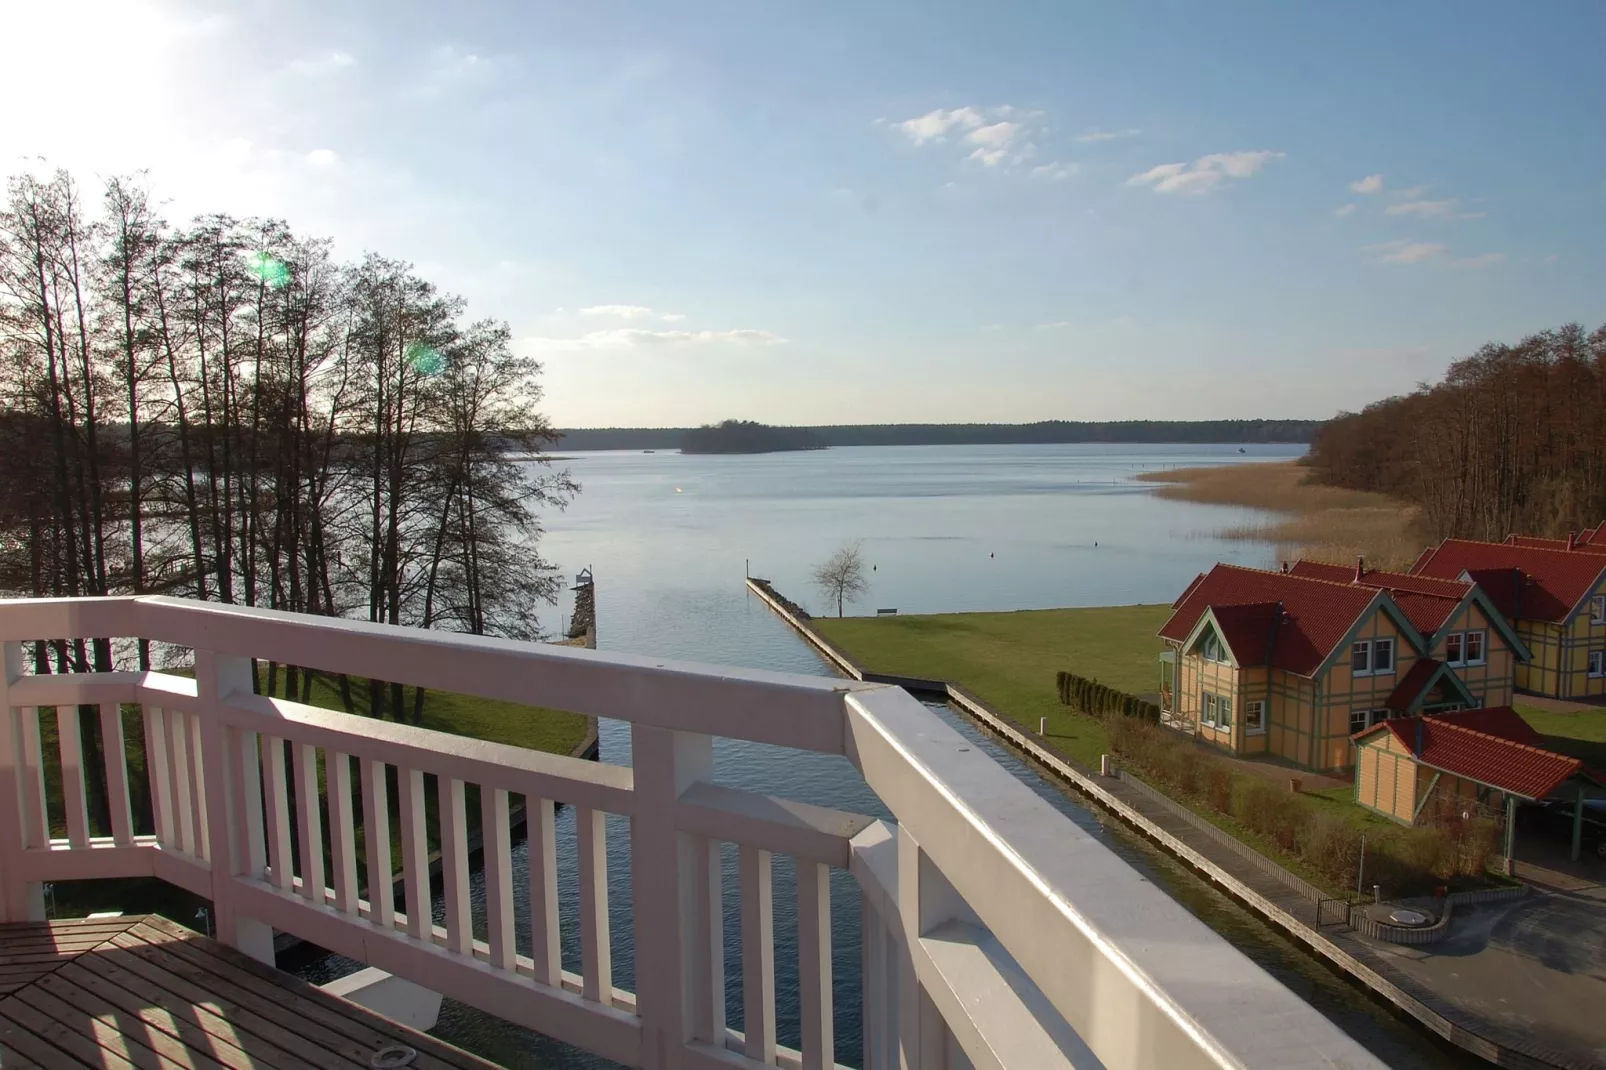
997	932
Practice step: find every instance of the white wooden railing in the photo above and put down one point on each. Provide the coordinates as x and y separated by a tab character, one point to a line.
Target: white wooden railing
996	932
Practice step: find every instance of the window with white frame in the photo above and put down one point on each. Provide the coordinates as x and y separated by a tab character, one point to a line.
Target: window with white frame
1255	716
1371	657
1466	648
1597	609
1212	648
1597	663
1215	710
1360	720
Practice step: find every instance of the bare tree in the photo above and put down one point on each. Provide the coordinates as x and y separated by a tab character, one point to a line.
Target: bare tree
841	576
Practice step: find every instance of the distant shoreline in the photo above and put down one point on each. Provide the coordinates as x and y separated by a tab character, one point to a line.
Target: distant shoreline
1048	432
1318	522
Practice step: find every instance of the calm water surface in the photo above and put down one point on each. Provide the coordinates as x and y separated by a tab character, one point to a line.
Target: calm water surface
947	528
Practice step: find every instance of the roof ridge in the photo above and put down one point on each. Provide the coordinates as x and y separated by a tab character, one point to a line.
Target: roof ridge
1292	576
1571	555
1501	739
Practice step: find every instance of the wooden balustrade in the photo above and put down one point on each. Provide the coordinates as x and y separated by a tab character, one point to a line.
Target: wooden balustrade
996	933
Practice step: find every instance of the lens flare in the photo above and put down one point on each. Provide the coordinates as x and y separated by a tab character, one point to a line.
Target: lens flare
424	359
269	269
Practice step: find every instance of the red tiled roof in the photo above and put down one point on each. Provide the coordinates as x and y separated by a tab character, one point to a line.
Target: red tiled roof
1519	768
1316	615
1524	582
1183	596
1502	721
1426	601
1585	543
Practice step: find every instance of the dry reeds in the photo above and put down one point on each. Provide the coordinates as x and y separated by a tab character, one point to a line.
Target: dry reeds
1318	522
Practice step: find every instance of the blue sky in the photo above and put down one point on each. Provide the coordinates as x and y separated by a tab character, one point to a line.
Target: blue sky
849	212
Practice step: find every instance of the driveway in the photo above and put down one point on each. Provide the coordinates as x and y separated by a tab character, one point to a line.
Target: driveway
1535	968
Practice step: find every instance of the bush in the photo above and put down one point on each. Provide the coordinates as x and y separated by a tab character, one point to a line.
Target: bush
1218	783
1090	696
1332	846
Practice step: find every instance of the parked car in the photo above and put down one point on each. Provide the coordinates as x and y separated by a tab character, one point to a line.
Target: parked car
1556	817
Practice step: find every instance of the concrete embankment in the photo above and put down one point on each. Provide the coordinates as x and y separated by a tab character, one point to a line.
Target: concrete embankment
1277	900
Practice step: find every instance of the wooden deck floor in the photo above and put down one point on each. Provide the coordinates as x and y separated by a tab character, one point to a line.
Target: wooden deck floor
118	993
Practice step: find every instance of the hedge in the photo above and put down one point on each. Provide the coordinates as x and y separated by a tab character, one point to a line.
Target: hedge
1090	696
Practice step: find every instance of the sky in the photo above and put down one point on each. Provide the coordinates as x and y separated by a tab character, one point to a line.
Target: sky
842	212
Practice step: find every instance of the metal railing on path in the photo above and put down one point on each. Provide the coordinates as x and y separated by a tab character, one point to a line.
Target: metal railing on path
997	933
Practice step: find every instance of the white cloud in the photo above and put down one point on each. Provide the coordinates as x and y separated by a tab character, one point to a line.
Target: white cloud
1410	194
1481	260
935	124
997	136
323	158
623	312
640	337
1344	209
1423	209
1405	252
1096	134
1056	171
672	317
1204	174
321	64
1369	184
1055	326
1447	209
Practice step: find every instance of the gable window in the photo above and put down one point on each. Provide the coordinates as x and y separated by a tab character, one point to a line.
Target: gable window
1255	716
1597	609
1371	657
1212	648
1597	663
1465	648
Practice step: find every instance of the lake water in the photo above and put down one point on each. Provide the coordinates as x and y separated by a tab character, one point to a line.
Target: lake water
947	528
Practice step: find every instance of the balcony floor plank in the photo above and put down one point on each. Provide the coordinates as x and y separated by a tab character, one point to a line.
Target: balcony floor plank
141	992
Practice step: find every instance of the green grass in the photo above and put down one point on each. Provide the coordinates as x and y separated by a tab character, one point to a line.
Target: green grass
1580	733
1009	659
531	727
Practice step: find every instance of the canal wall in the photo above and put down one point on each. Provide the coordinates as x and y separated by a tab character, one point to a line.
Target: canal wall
1283	900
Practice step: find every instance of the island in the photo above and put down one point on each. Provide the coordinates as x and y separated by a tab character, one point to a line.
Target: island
748	436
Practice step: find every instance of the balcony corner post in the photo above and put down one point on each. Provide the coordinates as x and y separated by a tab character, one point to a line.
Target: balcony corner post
230	786
20	900
679	977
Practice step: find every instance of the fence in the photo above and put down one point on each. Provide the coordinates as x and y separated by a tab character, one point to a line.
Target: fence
996	933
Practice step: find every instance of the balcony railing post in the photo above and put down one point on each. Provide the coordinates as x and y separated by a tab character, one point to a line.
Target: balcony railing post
926	900
20	900
675	886
233	802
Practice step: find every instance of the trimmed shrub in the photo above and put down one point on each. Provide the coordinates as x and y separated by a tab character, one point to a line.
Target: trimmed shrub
1095	698
1218	784
1332	846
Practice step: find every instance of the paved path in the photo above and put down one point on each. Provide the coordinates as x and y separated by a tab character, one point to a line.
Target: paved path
1529	976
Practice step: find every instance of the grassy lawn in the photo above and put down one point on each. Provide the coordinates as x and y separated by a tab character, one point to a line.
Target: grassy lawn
1009	659
1581	733
531	727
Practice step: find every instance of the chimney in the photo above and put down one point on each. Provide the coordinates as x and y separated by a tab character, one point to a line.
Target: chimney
1360	569
1417	750
1285	566
1572	540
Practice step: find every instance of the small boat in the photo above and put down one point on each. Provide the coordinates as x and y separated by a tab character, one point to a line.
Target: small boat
655	451
1240	450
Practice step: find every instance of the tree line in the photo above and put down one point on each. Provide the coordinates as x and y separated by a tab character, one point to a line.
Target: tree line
1046	432
1512	440
222	410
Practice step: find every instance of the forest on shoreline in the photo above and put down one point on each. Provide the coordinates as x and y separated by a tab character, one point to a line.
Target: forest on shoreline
1512	439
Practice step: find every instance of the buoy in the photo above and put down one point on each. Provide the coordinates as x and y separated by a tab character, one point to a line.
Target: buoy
992	555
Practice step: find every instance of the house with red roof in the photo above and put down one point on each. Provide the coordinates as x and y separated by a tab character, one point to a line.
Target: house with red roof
1293	663
1553	591
1427	769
